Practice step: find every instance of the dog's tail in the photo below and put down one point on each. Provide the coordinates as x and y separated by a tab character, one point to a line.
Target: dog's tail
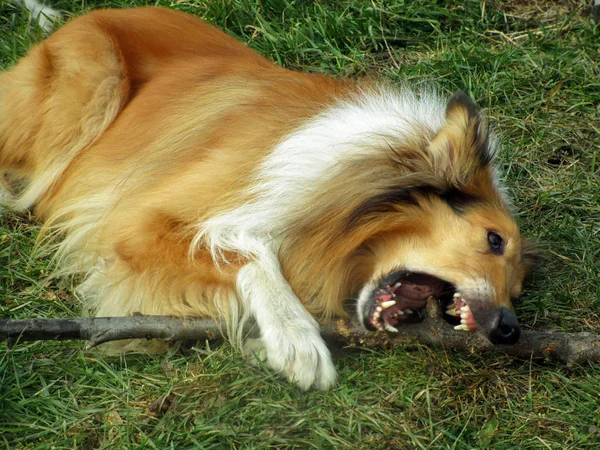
53	103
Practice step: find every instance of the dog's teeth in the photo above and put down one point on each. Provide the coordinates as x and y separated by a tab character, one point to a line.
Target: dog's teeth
465	308
400	312
451	308
390	328
397	285
408	311
457	294
465	315
386	305
462	327
379	309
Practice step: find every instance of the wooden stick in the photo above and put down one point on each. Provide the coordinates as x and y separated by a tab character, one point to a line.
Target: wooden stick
99	330
571	348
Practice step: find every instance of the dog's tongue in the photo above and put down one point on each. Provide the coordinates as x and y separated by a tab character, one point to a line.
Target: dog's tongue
400	297
416	289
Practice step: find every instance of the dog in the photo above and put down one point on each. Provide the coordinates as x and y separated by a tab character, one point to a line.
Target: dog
181	173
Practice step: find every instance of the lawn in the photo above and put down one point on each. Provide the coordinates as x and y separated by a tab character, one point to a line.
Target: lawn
535	66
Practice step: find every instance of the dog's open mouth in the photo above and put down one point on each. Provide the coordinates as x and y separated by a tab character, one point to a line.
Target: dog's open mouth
402	297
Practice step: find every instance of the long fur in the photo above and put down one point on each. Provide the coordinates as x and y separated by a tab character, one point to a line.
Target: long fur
178	172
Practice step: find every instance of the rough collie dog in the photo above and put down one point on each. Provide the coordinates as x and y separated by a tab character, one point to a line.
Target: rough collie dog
183	174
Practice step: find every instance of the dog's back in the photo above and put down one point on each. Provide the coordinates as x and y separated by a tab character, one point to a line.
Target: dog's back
71	87
97	181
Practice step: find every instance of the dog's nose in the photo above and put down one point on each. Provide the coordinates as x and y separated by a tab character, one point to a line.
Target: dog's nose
507	331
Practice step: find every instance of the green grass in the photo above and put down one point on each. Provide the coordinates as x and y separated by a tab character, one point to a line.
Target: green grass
536	67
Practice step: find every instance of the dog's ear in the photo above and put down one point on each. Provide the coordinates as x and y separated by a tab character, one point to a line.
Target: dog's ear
461	147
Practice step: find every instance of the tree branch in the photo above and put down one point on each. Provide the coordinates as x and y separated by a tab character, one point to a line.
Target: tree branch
571	348
99	330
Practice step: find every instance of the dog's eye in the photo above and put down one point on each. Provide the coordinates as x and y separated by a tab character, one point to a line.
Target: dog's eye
496	243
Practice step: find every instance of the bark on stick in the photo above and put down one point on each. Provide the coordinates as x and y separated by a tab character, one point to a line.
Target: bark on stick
571	348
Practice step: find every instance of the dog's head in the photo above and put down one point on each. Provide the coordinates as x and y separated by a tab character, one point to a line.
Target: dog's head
451	236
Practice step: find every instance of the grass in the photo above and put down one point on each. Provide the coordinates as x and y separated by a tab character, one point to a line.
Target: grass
535	66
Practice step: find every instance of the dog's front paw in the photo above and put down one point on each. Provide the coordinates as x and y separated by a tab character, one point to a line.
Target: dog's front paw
301	355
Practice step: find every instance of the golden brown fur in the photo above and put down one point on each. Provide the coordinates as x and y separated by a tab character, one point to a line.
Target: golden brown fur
142	50
130	131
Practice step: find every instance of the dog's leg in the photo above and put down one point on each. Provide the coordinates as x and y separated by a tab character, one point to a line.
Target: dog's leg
289	334
57	100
